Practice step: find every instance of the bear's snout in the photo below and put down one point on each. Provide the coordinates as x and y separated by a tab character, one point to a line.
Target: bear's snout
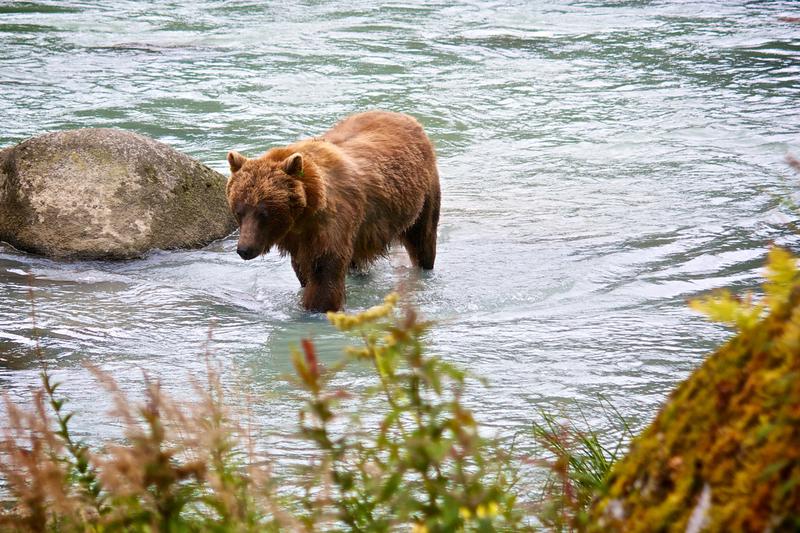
246	252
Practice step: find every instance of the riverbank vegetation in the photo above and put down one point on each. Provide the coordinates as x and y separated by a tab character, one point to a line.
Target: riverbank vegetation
408	454
724	452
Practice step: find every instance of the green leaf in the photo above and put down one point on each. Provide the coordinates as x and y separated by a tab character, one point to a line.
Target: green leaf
390	487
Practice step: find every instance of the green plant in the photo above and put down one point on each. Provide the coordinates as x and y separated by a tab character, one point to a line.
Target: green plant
724	452
418	458
180	467
578	467
405	453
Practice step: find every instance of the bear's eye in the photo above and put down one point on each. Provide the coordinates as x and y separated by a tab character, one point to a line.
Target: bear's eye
263	211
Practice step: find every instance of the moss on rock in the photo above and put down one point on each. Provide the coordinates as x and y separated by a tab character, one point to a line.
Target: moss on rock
724	452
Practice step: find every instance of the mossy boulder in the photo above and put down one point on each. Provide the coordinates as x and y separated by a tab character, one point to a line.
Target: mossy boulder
724	452
107	194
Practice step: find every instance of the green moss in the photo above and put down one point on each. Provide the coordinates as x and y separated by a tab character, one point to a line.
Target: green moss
198	209
731	430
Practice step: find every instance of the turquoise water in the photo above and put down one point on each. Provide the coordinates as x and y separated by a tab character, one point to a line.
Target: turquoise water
601	163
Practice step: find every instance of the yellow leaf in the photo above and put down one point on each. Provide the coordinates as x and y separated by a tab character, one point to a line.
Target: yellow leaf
781	273
726	308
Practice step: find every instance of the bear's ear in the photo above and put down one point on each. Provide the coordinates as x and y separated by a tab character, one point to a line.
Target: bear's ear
293	165
236	160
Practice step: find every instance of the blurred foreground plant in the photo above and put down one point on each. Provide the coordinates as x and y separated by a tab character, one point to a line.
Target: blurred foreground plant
405	454
417	457
179	468
182	465
578	466
723	454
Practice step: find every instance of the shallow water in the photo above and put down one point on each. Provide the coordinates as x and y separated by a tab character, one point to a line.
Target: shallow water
600	165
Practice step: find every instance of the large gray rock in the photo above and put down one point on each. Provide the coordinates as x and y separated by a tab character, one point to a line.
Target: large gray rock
107	194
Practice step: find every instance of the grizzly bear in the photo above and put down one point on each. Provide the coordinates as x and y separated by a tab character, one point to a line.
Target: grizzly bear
339	201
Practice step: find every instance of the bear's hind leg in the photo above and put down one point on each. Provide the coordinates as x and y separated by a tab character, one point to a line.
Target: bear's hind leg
420	239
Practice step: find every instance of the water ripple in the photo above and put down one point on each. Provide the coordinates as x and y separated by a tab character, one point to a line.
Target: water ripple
601	164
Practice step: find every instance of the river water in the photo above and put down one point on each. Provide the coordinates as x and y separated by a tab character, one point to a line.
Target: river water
601	163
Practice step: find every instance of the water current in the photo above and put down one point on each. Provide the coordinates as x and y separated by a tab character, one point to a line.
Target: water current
601	163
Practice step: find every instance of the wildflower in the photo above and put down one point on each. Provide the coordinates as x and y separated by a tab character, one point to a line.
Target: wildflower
336	319
390	340
345	322
488	510
465	513
493	508
374	313
360	353
419	528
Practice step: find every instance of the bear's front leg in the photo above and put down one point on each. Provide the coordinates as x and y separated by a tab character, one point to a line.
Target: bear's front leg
325	288
298	272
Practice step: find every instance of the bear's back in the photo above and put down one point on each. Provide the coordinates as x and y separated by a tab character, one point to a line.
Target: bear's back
375	126
393	166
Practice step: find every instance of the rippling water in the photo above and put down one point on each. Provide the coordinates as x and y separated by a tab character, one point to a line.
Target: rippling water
601	163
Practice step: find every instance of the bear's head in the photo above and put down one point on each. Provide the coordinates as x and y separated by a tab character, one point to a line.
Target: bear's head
269	196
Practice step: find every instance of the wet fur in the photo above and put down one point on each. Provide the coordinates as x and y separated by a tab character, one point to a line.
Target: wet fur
368	182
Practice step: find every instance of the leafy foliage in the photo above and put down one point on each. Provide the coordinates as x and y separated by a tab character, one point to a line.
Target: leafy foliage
418	458
407	454
724	452
404	454
579	466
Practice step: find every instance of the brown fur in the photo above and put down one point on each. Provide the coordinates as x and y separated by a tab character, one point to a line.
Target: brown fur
369	181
